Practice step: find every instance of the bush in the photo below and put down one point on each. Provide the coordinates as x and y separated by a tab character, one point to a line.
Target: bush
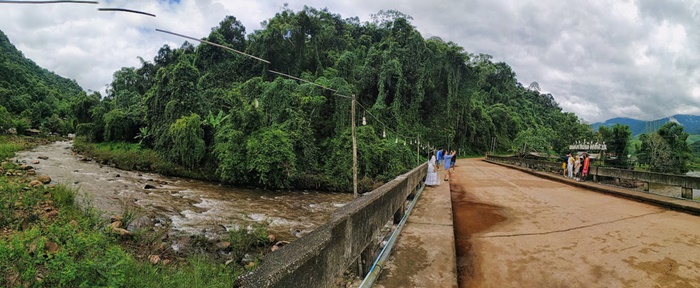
271	158
120	126
187	137
90	131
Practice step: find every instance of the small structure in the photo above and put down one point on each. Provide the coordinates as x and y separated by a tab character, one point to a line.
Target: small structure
594	150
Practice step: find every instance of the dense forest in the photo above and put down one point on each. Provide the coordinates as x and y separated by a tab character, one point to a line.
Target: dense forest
31	96
210	109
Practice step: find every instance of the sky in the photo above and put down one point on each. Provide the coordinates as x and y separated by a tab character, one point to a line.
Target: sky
599	59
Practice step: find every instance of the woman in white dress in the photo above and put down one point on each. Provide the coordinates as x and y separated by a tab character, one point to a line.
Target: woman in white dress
431	179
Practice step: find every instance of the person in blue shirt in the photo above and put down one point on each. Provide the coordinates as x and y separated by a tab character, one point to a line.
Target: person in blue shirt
447	158
439	158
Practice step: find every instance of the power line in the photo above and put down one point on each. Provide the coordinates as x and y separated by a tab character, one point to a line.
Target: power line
213	44
125	10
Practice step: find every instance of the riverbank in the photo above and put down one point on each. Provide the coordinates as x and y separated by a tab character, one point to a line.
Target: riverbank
49	238
133	157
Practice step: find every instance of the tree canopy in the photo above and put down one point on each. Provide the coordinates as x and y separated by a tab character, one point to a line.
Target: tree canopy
250	126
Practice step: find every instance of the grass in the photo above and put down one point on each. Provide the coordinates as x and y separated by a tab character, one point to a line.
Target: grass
131	156
49	240
11	144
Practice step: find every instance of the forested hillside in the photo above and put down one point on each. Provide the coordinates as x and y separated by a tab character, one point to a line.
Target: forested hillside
31	96
691	123
209	109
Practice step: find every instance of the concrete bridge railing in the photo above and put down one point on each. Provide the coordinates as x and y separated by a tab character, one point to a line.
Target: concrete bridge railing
348	238
687	183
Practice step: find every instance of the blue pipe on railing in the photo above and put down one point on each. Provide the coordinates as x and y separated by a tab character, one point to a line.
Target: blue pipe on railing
377	267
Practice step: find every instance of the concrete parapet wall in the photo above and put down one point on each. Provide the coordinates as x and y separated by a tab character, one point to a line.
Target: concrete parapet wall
651	177
319	258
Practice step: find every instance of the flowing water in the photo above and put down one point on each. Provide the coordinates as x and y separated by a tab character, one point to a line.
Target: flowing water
192	206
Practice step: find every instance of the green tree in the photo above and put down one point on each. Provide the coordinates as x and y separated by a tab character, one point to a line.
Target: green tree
616	139
270	158
5	120
188	146
120	126
534	140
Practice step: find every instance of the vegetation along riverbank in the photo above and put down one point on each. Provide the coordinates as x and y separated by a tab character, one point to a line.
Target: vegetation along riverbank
51	237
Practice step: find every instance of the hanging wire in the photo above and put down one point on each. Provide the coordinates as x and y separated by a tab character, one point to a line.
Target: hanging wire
382	122
213	44
125	10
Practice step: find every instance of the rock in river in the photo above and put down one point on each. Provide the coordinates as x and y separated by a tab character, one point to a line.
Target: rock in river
44	179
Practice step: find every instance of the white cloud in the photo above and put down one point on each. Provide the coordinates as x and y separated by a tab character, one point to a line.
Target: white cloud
599	59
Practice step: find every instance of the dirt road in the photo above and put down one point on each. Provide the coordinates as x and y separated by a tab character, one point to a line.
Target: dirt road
517	230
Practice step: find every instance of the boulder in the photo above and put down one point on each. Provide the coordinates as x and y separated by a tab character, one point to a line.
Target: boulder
35	183
44	179
31	172
43	157
51	214
35	162
250	265
149	186
25	167
223	245
271	238
51	247
123	232
116	218
154	259
115	225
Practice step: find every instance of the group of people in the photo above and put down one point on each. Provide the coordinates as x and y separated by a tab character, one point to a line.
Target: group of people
447	159
576	167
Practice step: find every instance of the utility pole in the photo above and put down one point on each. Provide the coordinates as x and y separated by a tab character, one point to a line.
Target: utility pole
418	151
354	149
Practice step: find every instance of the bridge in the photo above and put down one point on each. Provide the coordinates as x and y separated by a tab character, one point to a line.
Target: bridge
514	227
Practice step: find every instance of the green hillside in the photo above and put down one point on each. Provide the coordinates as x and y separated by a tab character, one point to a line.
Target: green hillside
213	110
31	96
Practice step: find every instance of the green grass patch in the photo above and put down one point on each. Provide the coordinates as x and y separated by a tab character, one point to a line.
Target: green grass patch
11	144
47	240
692	139
131	156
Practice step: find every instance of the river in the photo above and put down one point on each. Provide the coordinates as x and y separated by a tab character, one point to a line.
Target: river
191	206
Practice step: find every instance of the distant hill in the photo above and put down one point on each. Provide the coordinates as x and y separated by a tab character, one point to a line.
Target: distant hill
30	92
691	123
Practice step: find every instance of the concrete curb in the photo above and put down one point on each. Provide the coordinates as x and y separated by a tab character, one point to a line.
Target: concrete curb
685	206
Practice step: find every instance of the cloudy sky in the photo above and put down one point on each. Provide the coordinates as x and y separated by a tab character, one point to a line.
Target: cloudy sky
600	59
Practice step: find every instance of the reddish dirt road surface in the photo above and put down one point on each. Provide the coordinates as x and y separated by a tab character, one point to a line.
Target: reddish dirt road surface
514	229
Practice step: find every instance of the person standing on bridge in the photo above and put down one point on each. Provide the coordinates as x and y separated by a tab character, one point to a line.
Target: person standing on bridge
453	160
586	165
447	158
577	167
570	166
439	159
431	179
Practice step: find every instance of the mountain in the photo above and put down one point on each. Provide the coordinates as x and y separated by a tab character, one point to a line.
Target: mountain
30	94
691	123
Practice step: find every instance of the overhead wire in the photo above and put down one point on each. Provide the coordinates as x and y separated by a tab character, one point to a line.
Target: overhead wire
125	10
213	44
